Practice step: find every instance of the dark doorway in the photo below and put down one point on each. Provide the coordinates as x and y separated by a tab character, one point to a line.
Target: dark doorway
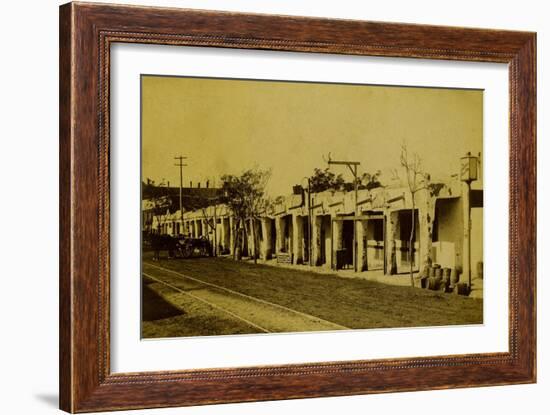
347	242
271	224
322	236
306	232
375	244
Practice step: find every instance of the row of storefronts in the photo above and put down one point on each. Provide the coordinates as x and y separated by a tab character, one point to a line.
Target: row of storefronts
335	229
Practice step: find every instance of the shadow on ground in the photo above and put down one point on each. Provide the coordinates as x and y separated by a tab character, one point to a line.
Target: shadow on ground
154	306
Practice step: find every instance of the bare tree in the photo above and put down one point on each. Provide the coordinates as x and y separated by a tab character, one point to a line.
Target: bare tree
416	180
255	200
245	197
161	209
211	222
235	190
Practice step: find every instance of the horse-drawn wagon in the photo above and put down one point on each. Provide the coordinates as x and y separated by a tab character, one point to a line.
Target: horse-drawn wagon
179	246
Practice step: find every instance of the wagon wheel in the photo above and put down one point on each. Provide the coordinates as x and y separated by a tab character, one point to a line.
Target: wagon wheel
187	251
179	251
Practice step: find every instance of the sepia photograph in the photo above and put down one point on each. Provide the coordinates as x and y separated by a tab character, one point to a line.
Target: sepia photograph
269	203
273	206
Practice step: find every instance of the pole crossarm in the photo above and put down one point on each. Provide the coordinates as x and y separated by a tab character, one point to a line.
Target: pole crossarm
352	163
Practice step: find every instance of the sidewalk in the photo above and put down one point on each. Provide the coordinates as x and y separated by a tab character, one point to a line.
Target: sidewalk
375	275
402	280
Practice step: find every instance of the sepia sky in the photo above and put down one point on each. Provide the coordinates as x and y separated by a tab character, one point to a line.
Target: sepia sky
226	126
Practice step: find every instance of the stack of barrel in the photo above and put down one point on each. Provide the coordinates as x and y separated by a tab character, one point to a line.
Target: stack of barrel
434	277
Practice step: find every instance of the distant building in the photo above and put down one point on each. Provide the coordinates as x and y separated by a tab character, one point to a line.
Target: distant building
164	200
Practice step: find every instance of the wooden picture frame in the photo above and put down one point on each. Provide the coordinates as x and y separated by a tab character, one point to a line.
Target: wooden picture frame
86	33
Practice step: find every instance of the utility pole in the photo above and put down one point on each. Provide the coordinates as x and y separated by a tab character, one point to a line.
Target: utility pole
217	198
181	165
352	165
310	223
468	174
309	219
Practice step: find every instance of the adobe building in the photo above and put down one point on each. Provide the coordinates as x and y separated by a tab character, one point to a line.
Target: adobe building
319	230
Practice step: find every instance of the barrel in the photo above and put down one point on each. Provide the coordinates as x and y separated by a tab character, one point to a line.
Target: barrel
462	289
424	282
433	283
446	278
